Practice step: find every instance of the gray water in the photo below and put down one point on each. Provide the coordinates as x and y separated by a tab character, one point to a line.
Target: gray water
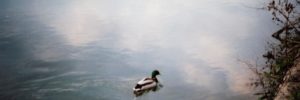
99	49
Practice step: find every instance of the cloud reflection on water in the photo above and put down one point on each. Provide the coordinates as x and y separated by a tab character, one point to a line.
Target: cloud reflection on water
205	30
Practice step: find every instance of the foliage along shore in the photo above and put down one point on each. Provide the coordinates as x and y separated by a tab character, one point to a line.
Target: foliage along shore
279	78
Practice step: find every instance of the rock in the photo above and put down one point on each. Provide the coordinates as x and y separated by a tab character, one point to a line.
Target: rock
291	84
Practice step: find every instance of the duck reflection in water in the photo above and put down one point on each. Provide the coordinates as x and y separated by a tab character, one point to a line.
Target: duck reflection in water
147	84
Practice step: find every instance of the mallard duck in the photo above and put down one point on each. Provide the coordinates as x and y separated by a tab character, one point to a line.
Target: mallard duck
147	83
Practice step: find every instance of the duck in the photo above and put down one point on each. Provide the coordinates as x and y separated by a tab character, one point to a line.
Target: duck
147	83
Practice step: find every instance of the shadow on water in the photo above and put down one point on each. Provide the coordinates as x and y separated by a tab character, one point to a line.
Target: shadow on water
29	56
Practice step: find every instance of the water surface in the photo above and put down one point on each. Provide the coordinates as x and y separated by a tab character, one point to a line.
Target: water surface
99	49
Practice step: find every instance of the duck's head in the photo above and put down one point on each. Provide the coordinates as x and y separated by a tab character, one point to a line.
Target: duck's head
155	73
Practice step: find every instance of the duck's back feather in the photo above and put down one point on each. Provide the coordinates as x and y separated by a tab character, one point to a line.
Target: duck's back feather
146	80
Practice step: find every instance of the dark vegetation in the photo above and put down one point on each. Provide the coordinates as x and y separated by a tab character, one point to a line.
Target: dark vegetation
283	52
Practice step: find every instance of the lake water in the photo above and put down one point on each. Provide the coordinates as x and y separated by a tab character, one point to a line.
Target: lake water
99	49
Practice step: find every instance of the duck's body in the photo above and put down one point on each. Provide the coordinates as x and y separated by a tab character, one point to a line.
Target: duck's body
148	83
145	84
